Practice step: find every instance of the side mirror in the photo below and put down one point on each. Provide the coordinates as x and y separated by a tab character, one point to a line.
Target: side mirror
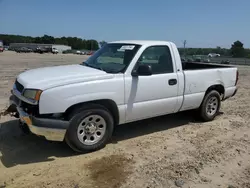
142	70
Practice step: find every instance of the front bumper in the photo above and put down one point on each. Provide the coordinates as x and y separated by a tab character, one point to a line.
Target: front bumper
51	129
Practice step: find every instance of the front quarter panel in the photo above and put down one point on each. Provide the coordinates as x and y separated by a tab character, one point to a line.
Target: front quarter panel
59	99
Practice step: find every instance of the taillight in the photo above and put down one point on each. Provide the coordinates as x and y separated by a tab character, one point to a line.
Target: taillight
237	77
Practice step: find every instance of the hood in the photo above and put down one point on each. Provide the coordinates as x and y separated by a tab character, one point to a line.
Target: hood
48	77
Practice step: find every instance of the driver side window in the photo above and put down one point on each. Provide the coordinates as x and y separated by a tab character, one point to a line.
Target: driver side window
159	58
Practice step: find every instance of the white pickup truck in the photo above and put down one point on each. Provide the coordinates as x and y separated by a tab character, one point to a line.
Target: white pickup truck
122	82
54	51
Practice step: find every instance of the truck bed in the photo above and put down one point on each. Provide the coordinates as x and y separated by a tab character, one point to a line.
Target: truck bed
199	65
200	76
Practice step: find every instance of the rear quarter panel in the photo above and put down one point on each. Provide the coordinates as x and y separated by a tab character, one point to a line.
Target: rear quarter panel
198	81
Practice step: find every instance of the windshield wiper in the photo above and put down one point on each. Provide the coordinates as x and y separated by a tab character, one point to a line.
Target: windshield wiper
95	67
113	71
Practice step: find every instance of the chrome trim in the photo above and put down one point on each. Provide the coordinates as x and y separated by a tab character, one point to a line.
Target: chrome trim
21	97
48	133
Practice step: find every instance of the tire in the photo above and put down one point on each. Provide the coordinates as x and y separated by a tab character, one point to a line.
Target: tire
210	106
90	128
67	141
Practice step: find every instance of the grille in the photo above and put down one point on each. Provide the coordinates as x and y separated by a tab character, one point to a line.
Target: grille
19	86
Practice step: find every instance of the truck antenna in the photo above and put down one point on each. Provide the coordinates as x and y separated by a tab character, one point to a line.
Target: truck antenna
184	44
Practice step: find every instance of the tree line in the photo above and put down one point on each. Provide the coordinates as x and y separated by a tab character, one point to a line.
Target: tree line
237	50
204	51
74	42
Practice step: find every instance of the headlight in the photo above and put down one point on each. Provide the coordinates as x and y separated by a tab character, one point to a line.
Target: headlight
33	94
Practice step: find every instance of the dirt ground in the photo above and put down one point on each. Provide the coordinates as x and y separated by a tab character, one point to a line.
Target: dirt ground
159	152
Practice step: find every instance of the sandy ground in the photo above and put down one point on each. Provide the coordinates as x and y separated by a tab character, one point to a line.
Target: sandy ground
159	152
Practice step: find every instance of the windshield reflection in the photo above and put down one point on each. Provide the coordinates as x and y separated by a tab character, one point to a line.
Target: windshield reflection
113	57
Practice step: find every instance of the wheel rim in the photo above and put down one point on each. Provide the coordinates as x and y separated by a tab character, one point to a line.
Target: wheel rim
212	106
91	129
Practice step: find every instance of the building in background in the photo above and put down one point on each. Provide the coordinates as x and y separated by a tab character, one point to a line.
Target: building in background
34	46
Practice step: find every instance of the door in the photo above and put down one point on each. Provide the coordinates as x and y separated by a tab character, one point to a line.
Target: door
154	95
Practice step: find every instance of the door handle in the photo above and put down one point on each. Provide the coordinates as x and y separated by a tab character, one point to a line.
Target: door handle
172	82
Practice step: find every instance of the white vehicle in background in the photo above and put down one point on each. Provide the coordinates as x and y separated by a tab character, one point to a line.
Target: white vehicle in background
55	51
213	55
1	46
83	53
124	81
78	52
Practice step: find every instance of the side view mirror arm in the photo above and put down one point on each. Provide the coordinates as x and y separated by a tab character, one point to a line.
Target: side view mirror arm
142	70
134	73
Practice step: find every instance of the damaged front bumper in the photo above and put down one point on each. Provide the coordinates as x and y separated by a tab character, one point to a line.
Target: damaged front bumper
51	129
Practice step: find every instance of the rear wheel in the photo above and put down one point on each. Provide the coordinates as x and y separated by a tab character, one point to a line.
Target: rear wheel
90	128
210	106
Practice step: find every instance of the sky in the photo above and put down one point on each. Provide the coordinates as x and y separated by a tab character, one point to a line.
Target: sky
202	23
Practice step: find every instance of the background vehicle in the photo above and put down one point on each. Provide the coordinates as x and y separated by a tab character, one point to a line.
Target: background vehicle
213	55
1	46
81	104
225	62
23	50
6	47
78	52
206	60
54	51
42	50
90	53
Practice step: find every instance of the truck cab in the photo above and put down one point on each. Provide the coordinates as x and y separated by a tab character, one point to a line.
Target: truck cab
55	51
124	81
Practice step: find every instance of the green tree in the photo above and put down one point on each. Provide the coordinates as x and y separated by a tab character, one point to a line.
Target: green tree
37	40
247	52
218	50
199	51
237	49
46	39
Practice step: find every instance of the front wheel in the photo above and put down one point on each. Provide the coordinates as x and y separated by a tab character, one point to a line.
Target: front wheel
210	106
90	128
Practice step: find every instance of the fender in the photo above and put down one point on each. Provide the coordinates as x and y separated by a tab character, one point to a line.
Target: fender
59	99
49	104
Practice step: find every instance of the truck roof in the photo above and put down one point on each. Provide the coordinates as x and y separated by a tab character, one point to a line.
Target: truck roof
141	42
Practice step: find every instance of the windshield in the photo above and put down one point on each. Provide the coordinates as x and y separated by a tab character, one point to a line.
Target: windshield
113	57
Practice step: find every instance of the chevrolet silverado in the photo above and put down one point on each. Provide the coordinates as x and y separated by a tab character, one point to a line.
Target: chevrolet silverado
124	81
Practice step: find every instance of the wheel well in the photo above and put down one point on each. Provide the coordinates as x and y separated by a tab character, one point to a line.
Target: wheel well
107	103
218	87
